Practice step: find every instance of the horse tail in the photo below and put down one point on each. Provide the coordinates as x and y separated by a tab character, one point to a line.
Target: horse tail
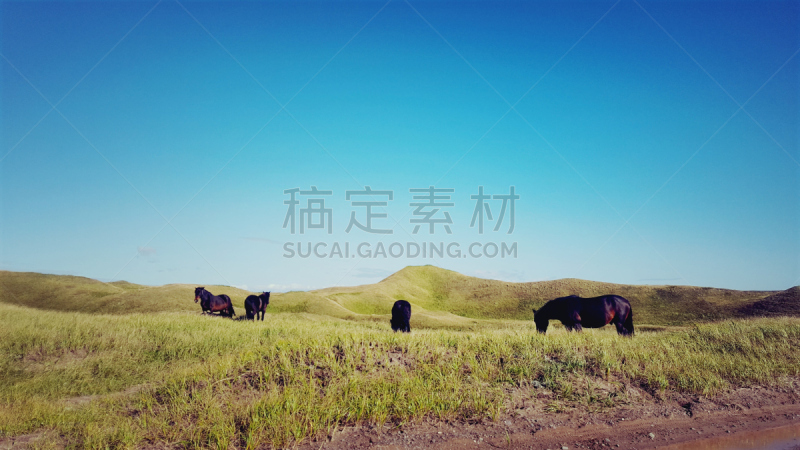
629	322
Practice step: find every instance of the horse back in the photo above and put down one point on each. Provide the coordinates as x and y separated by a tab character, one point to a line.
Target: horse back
402	308
613	306
220	302
252	302
596	312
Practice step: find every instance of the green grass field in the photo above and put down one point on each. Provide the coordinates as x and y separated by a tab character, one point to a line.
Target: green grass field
89	364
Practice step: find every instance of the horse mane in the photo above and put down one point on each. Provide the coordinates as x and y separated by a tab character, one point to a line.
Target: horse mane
548	308
545	309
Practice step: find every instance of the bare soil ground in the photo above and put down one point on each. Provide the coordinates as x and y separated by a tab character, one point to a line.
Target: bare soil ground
678	422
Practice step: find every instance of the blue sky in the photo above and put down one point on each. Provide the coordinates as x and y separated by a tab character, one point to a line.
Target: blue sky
649	142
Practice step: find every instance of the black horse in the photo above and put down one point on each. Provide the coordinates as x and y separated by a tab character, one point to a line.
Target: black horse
401	314
576	313
212	303
255	304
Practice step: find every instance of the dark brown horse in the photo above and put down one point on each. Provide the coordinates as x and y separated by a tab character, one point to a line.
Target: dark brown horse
255	304
401	315
212	303
577	313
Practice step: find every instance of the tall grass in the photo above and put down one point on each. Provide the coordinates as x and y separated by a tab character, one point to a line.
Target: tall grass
193	381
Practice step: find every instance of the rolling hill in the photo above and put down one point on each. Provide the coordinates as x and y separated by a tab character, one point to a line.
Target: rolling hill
440	298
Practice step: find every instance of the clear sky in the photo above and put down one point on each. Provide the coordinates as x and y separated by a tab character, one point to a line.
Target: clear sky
650	142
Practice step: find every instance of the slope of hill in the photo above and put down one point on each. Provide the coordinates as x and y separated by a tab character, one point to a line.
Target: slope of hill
433	288
440	298
80	294
783	303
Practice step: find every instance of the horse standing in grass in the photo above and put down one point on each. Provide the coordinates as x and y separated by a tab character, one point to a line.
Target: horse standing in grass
212	303
401	315
577	313
255	304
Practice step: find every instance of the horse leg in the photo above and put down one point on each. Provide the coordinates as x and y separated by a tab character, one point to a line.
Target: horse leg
576	322
572	326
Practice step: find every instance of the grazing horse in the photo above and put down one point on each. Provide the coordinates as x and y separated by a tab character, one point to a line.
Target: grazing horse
255	304
401	314
211	303
576	313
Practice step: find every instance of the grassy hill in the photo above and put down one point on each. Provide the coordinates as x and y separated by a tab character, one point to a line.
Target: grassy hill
77	369
783	303
80	294
439	297
434	289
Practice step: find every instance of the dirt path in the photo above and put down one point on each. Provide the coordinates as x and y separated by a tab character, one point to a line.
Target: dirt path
677	423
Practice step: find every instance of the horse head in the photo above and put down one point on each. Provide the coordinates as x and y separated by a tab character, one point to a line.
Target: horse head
197	293
541	320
